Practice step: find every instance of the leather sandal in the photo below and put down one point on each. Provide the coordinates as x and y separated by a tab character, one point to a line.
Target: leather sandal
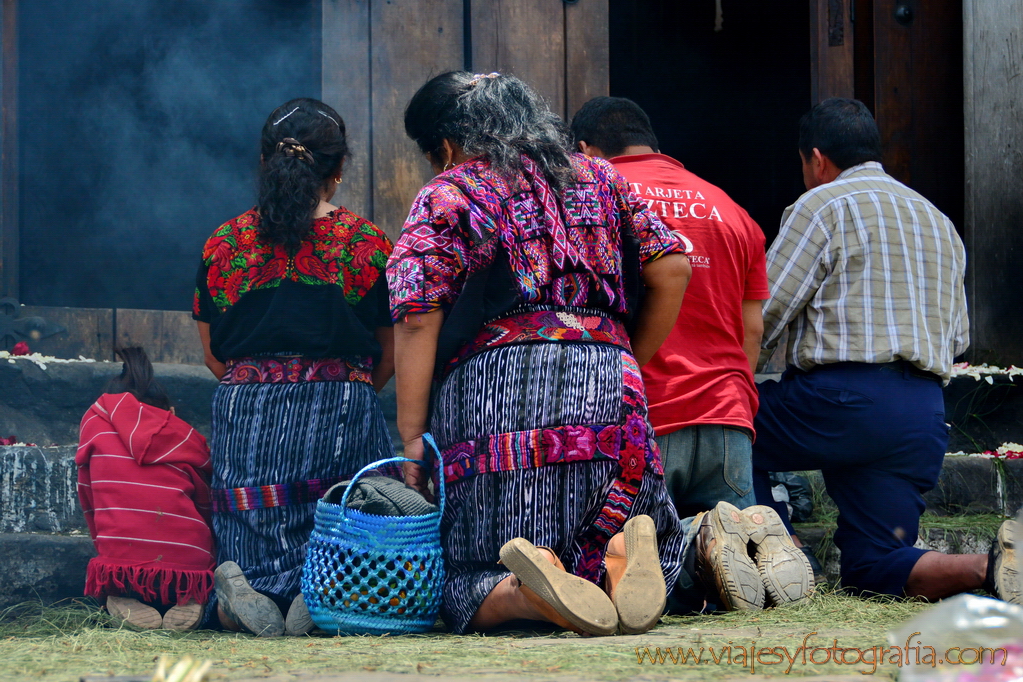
635	581
298	622
134	613
566	600
183	616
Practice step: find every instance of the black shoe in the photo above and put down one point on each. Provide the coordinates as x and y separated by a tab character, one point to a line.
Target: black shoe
818	571
254	612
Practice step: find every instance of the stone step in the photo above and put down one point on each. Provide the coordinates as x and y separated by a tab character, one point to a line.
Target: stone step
966	485
51	568
43	567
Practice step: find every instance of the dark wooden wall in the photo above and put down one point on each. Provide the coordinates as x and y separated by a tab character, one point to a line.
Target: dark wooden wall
167	335
993	78
377	53
9	252
918	96
724	98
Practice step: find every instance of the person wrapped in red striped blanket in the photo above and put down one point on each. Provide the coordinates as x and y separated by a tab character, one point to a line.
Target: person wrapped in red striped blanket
143	485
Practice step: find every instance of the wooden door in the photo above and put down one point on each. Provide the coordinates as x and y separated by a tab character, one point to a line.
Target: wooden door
376	54
918	96
9	227
993	66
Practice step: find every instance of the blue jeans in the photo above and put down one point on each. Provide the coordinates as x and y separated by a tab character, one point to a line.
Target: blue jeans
706	464
703	465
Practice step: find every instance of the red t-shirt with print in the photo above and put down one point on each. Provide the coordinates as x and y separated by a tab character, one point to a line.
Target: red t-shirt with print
701	375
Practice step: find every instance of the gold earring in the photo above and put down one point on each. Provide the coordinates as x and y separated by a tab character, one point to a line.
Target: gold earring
337	180
446	166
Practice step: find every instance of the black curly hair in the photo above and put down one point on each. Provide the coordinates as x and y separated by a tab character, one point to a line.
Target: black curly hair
290	185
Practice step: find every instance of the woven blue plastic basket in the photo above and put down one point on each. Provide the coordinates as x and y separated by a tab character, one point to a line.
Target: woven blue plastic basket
371	575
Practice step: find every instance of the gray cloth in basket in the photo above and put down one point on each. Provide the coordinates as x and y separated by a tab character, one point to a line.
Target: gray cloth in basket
383	496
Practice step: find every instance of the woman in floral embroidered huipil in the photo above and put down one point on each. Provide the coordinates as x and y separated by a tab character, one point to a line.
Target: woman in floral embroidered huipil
292	310
531	284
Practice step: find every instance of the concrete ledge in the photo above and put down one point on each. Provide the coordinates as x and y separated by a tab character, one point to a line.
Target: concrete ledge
48	568
38	489
45	406
983	415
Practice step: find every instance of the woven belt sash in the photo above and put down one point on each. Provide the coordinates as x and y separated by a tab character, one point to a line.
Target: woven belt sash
266	496
278	369
545	325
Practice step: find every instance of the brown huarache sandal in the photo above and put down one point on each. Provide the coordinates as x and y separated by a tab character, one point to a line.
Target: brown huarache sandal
635	581
134	613
298	622
183	616
571	602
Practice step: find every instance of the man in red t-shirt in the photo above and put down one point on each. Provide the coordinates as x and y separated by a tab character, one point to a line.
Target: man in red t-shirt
700	384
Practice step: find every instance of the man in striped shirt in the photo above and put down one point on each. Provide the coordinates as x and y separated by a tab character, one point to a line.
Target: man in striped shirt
866	276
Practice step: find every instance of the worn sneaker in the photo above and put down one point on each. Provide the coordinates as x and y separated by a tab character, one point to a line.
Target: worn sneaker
784	568
254	612
1006	576
723	561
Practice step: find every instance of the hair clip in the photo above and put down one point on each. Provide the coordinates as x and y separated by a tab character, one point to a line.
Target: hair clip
286	115
480	76
324	113
289	146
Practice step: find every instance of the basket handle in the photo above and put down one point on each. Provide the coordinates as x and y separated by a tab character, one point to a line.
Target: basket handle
427	438
439	463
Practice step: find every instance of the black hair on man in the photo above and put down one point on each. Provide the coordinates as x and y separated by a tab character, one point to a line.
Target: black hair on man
612	125
843	130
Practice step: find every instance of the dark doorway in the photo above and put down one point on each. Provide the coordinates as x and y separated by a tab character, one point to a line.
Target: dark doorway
724	91
139	135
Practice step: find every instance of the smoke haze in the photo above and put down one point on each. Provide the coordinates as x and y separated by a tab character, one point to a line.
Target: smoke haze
140	124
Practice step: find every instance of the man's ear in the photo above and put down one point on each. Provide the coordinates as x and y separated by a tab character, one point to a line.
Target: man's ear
824	169
590	149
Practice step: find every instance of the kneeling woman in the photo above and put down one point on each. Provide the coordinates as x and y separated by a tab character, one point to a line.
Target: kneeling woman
515	280
292	311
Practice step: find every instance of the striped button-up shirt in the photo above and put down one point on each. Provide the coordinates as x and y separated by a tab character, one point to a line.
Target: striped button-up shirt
864	269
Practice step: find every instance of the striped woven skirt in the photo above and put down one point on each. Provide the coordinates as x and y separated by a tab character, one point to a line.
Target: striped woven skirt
275	448
516	389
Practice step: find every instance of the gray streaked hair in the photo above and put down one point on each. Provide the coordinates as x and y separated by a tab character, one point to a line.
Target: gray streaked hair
498	117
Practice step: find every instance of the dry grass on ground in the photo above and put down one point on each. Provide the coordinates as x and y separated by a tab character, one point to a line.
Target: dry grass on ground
64	643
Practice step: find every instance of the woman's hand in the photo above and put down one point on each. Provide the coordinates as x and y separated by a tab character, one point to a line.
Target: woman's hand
417	476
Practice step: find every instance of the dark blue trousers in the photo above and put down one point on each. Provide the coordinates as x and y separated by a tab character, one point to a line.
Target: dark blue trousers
878	435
